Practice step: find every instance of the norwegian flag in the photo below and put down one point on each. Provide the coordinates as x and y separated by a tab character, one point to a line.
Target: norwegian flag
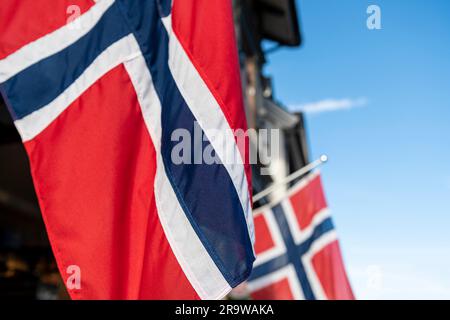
298	255
96	98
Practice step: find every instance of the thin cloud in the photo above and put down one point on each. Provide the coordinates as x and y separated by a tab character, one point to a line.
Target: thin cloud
328	105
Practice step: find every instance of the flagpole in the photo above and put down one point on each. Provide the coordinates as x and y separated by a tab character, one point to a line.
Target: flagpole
310	166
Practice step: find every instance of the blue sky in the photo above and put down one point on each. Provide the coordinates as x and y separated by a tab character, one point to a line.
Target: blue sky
388	178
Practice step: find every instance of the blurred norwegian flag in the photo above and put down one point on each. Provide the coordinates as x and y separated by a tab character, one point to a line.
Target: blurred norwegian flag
298	254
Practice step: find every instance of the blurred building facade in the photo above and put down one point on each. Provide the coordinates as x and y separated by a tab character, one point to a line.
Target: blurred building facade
275	22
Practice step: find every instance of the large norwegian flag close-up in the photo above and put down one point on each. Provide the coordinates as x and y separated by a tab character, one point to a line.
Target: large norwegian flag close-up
95	101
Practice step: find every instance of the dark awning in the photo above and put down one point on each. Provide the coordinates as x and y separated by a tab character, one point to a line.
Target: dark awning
278	21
